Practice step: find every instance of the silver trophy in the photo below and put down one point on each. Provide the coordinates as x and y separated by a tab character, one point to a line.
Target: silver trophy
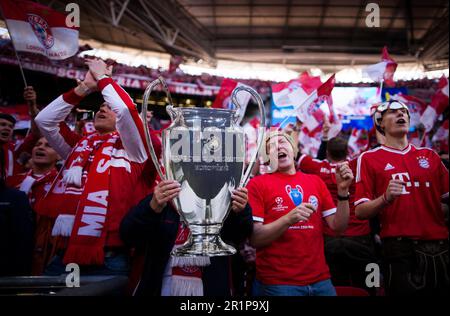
204	150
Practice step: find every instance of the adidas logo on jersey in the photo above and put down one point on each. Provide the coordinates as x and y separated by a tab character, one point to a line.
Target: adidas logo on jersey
388	167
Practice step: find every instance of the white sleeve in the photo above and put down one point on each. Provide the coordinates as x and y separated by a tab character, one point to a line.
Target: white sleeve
48	122
128	123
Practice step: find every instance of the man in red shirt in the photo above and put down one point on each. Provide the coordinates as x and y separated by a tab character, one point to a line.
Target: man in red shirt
36	183
404	186
349	253
288	208
105	173
10	153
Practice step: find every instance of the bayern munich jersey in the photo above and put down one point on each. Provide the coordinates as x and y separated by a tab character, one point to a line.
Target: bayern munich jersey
417	213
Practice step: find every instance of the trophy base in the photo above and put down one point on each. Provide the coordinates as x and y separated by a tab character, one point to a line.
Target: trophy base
201	244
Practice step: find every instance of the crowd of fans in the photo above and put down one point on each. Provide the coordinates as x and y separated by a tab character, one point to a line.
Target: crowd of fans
262	86
315	223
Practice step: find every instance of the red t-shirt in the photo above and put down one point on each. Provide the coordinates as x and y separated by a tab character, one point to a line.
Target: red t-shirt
297	257
417	213
327	172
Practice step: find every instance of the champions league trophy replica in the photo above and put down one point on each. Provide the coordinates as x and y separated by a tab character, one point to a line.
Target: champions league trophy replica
204	150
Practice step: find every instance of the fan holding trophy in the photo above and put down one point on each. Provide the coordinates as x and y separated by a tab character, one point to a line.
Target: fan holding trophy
200	199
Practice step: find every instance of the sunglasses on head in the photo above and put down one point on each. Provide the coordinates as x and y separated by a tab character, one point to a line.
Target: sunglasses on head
391	105
388	105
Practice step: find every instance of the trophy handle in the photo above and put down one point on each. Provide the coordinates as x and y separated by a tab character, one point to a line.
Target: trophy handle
147	93
261	129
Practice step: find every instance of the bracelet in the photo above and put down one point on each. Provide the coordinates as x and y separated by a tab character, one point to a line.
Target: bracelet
343	198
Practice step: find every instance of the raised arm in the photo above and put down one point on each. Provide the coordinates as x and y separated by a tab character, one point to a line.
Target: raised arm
344	177
30	97
128	123
49	120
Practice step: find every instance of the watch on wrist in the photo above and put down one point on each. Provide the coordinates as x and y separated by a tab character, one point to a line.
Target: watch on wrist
343	198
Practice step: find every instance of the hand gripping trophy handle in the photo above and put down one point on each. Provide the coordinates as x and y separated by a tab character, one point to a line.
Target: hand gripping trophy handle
147	93
261	128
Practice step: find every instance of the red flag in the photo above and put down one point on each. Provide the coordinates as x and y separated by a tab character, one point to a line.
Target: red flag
175	62
415	106
325	89
309	83
309	111
294	92
382	71
223	98
309	141
39	29
357	142
391	66
440	138
439	102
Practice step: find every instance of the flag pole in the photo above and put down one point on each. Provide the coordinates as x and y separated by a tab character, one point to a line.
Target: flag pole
381	90
423	138
15	51
296	108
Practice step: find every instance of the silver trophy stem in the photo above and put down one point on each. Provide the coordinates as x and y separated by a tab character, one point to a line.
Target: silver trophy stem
261	129
147	93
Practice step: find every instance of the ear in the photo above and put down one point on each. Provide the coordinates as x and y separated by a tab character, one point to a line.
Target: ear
382	124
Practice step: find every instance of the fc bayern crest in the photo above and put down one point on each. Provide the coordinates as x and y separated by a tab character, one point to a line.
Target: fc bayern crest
423	162
41	30
314	201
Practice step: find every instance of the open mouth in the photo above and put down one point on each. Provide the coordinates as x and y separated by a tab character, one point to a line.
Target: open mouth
40	154
401	121
5	134
281	155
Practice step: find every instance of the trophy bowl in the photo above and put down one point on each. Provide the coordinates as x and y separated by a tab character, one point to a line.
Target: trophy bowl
204	150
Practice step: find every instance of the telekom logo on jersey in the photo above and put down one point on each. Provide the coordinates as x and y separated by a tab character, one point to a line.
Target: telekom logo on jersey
404	176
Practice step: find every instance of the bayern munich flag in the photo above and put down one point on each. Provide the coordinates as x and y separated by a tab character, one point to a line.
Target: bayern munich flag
39	29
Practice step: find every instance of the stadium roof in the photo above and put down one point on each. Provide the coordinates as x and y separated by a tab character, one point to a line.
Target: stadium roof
329	34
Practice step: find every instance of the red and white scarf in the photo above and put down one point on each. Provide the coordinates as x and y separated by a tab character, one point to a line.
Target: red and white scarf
184	277
79	197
